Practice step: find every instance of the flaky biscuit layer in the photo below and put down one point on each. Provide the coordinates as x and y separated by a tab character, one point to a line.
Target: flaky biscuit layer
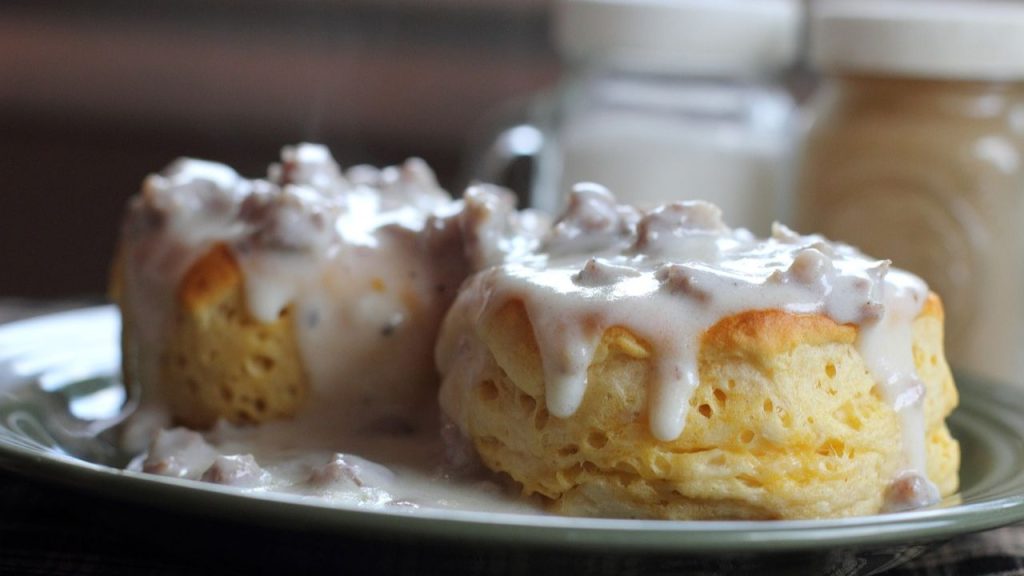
786	423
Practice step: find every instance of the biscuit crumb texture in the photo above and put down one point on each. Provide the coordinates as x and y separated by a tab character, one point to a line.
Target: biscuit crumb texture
787	423
218	361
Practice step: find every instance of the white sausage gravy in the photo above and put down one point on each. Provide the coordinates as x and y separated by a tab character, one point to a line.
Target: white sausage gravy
370	259
301	235
669	275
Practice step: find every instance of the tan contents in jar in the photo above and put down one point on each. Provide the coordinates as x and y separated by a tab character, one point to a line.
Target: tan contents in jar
929	173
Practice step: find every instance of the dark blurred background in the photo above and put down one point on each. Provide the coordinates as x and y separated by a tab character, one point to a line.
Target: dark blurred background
96	94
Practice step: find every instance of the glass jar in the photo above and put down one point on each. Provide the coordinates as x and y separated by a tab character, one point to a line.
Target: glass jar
916	155
665	101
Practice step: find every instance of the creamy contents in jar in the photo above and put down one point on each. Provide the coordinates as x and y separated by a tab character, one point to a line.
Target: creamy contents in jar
670	274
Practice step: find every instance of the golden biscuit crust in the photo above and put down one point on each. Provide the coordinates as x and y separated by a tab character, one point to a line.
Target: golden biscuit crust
219	362
786	423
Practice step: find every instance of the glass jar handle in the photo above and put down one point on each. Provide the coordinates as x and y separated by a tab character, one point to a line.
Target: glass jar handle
518	142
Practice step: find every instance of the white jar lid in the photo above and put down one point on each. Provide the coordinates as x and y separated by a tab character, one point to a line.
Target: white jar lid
687	35
942	39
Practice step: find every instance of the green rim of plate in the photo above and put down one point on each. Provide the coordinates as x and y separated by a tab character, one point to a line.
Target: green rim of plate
988	423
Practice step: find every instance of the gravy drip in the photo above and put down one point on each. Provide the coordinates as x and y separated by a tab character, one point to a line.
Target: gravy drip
395	470
668	275
369	260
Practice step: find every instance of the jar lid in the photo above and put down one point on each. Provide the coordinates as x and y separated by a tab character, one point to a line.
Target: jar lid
702	36
941	39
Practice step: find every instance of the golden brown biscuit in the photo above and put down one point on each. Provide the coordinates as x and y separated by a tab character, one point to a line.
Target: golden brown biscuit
217	360
787	422
252	300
